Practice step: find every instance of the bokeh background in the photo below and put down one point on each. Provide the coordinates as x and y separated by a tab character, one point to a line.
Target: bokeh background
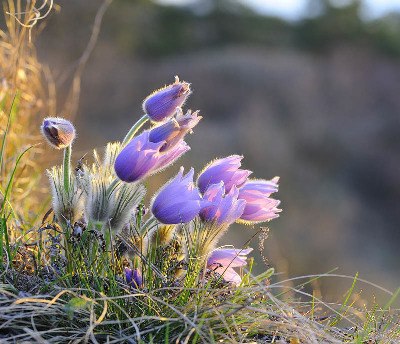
307	90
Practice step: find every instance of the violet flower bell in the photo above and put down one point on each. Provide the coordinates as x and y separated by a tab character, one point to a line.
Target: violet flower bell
224	260
259	206
58	132
226	170
134	277
162	103
174	130
141	157
155	149
225	208
178	201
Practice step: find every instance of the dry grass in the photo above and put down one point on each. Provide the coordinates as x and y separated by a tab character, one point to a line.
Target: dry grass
26	96
256	313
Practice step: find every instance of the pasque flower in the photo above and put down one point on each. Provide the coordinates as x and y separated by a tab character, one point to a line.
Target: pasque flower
226	170
259	206
58	132
161	104
156	148
133	277
225	208
175	129
141	157
179	201
224	260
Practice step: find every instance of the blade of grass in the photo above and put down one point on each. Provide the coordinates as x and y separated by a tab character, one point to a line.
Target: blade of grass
10	181
3	224
344	304
11	114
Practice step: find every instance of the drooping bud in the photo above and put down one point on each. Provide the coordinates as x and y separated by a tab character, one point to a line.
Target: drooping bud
161	104
58	132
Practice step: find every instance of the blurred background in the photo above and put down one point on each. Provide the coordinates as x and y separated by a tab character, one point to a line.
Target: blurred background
307	90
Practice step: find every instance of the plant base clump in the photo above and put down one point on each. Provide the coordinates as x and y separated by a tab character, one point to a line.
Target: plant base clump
106	266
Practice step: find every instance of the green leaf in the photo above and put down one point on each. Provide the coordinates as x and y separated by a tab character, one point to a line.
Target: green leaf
76	304
263	276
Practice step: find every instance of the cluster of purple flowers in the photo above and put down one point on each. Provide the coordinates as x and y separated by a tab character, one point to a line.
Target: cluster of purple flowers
224	194
161	145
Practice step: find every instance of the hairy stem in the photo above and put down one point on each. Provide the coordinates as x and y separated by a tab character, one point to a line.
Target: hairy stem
67	167
135	129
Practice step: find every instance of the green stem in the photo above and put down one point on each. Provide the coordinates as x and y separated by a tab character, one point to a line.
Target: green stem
67	167
68	253
135	129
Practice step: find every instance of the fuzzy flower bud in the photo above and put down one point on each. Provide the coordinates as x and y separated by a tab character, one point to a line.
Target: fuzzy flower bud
224	209
162	103
226	170
58	132
259	206
222	261
178	201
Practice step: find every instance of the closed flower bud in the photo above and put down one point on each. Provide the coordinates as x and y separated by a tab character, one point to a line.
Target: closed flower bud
178	201
161	104
259	206
58	132
134	277
226	170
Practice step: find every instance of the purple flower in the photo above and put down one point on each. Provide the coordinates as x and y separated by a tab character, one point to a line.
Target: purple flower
134	277
161	104
179	201
226	170
141	157
59	132
169	157
224	209
259	206
223	261
174	130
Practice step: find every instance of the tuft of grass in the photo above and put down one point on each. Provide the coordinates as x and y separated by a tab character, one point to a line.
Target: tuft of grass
250	314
